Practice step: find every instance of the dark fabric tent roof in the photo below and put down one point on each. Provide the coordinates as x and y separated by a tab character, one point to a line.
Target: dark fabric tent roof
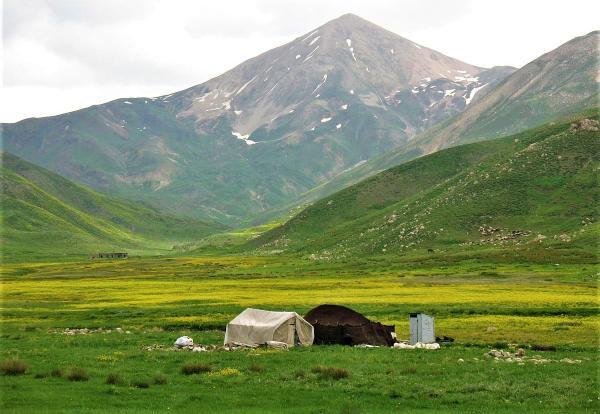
335	324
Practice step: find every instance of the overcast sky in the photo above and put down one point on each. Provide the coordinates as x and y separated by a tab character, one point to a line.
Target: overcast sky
61	55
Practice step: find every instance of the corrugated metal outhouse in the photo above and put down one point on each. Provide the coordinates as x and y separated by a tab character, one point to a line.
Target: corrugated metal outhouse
422	328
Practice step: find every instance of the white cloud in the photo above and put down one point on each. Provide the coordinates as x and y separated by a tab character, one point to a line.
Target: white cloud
60	55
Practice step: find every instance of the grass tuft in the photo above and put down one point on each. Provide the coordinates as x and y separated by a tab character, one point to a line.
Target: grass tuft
13	367
160	379
77	374
409	370
141	383
333	373
191	368
299	374
114	379
57	373
254	367
538	347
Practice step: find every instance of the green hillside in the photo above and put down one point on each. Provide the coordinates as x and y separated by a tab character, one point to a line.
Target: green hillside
44	214
538	188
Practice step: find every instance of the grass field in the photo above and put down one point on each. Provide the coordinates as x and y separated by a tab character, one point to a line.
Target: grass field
482	303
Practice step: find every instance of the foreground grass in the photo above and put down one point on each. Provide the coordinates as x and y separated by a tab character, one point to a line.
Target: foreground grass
317	379
481	304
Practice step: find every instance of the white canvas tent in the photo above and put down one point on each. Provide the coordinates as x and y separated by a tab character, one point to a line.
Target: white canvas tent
256	327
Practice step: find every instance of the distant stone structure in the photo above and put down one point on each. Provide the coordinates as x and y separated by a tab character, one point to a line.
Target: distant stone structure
113	255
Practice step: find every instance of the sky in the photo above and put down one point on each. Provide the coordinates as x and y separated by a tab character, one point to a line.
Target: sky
62	55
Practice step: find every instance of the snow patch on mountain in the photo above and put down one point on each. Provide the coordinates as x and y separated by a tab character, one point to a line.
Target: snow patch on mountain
320	84
310	54
310	35
473	92
467	78
243	138
350	48
243	86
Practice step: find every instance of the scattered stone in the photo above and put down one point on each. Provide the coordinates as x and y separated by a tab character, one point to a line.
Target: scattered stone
84	331
487	230
585	124
570	361
520	358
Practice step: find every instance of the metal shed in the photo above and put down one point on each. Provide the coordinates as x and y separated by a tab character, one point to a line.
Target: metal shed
422	328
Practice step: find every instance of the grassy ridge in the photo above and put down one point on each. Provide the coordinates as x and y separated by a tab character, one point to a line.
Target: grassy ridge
44	214
541	183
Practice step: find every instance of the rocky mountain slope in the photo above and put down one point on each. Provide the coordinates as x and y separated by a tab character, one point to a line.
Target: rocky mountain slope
265	132
561	82
537	188
43	214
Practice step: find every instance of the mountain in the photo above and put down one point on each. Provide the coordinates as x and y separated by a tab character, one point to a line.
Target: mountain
537	188
561	82
265	132
44	214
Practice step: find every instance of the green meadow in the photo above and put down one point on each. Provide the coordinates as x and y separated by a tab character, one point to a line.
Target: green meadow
484	303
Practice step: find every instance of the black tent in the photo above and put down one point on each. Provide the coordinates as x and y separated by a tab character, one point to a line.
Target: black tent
336	324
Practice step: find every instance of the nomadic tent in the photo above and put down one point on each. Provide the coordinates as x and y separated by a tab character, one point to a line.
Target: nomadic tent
336	324
256	327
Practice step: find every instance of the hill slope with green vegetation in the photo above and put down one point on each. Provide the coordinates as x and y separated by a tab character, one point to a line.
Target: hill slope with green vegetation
536	189
44	214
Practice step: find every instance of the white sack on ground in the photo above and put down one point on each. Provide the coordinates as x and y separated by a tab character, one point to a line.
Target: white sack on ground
184	341
257	327
418	345
400	345
421	345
